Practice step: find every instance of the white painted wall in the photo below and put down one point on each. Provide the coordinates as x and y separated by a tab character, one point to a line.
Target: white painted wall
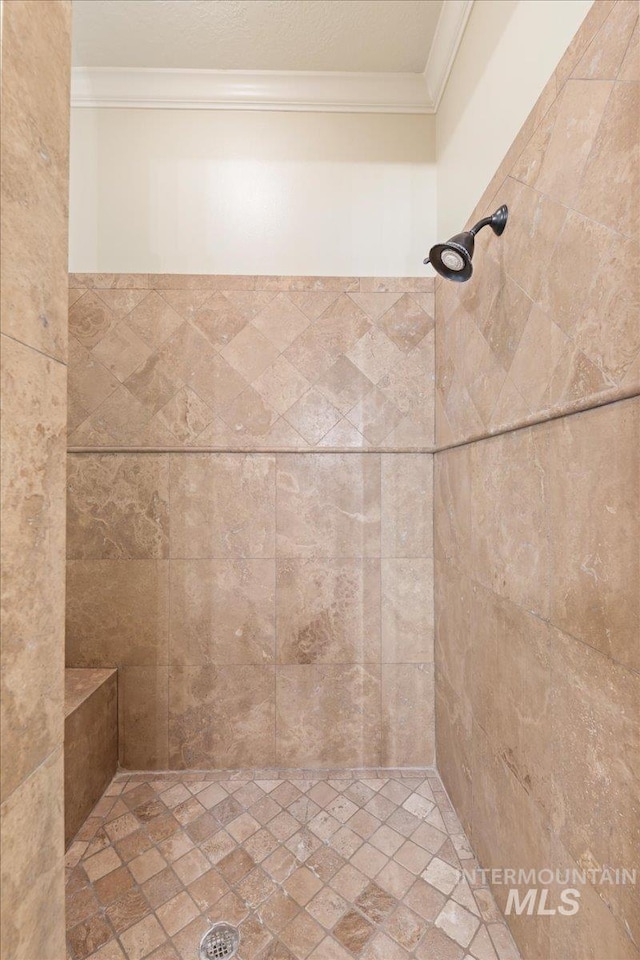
199	191
190	191
508	52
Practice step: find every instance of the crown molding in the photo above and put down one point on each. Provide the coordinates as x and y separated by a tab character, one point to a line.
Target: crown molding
320	91
446	40
249	90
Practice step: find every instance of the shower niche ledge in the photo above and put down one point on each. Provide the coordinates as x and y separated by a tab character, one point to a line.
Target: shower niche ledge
90	741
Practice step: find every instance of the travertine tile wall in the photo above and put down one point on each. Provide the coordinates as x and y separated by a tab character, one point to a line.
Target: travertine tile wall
236	362
549	322
34	146
269	607
537	530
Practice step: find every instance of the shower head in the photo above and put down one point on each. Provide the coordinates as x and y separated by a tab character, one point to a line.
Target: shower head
452	260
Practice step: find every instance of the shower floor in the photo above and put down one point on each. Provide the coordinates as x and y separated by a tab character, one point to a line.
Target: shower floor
329	867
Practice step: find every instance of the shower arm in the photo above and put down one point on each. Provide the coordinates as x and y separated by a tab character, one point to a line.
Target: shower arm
497	221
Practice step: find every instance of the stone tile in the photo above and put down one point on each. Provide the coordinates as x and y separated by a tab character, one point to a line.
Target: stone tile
143	710
406	323
281	385
302	885
328	611
594	495
405	927
33	397
209	489
328	505
613	161
282	319
353	931
222	612
407	505
312	416
344	385
407	714
310	698
117	612
128	909
457	923
139	940
117	507
407	611
302	935
239	705
250	353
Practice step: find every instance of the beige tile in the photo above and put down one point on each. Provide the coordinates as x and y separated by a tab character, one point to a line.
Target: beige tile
142	710
594	496
344	385
407	611
313	417
375	416
328	505
35	145
153	320
210	490
222	716
313	303
406	323
90	319
611	177
250	303
117	507
328	715
33	477
91	751
222	612
375	355
186	415
250	353
509	495
32	864
328	611
282	320
117	612
595	701
630	67
567	131
407	505
219	320
121	350
281	385
139	940
407	715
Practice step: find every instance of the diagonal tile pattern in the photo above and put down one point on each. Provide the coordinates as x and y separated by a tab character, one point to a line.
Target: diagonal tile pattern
548	324
324	865
250	362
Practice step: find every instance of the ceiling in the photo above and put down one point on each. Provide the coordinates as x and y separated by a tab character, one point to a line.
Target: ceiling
382	36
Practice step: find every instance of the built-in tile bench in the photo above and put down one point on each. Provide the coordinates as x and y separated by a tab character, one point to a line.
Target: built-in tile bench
90	741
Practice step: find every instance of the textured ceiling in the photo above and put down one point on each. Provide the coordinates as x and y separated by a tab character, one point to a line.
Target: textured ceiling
352	35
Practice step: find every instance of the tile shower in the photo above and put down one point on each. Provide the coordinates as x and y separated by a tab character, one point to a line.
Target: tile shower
364	553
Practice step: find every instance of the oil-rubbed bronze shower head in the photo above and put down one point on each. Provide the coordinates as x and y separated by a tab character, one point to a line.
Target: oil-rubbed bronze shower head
452	260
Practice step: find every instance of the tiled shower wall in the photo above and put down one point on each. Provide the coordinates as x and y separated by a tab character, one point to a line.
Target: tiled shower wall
258	564
35	56
537	530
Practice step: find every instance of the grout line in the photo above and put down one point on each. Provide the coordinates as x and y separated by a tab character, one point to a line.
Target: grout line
420	451
254	451
560	415
29	346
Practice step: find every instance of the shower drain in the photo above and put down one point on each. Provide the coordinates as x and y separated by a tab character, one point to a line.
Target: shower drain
220	942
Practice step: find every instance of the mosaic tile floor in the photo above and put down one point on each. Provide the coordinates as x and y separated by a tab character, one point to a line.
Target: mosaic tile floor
325	869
